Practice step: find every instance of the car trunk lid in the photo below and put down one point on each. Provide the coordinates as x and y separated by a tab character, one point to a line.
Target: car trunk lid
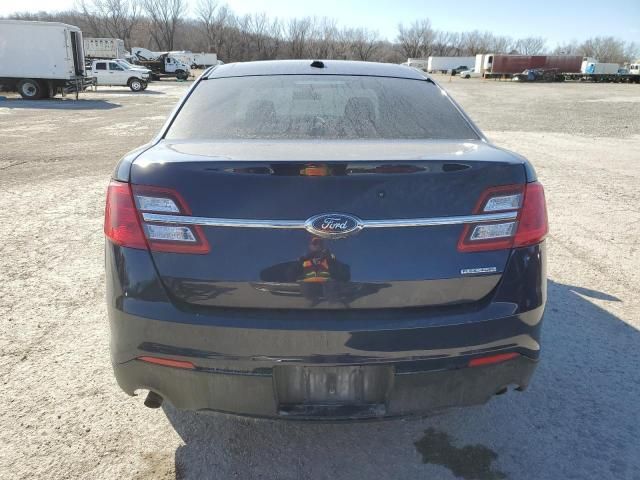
256	203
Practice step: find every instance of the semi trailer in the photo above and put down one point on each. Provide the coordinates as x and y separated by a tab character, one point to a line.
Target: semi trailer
449	64
492	65
41	59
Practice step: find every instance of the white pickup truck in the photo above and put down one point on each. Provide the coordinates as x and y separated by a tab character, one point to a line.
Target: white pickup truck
118	72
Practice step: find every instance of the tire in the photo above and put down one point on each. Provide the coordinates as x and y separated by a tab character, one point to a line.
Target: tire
144	85
181	75
135	84
467	76
30	89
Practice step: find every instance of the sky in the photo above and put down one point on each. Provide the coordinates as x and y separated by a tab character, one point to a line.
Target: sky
558	21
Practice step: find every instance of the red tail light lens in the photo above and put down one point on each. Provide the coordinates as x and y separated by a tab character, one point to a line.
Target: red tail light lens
528	228
492	359
168	362
121	222
125	225
533	224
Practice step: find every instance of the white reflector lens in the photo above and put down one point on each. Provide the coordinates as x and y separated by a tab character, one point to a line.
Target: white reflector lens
488	232
156	204
507	202
174	234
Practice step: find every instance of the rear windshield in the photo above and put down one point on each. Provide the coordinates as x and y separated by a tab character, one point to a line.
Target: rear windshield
317	107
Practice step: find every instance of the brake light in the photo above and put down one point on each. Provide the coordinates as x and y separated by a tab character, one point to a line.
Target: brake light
121	222
529	227
533	224
125	224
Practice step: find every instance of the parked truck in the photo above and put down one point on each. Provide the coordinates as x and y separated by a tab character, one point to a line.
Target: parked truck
118	73
449	64
41	59
594	71
161	64
104	48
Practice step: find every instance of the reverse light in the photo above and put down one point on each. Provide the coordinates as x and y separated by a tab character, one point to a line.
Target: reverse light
156	204
490	231
503	203
529	227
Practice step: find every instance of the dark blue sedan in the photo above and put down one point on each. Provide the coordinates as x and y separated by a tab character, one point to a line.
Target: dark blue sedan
323	240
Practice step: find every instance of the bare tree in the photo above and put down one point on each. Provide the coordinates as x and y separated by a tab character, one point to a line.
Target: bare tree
571	48
530	45
258	36
417	39
365	43
112	18
324	34
298	33
604	49
500	44
165	16
206	13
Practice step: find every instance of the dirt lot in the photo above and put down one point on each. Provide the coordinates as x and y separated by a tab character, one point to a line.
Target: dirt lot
62	415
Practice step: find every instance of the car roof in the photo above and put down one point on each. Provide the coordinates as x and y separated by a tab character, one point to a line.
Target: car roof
303	67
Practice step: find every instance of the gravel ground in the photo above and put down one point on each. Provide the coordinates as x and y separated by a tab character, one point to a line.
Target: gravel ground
62	415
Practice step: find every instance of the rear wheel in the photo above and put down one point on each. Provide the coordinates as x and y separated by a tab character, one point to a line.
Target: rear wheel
30	89
136	85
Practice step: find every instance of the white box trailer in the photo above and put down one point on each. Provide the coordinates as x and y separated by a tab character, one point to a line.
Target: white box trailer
104	48
446	64
591	66
419	63
40	59
480	64
205	59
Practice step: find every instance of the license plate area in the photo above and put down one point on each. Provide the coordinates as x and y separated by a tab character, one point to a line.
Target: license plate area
332	390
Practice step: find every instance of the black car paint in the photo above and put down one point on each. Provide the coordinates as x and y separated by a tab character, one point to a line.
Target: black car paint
426	346
236	350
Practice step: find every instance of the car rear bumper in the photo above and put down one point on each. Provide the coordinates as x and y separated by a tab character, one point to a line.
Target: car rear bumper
257	394
323	364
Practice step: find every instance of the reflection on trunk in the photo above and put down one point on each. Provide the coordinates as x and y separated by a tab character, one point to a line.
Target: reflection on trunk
317	276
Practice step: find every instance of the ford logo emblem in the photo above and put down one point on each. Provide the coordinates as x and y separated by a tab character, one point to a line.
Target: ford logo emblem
333	225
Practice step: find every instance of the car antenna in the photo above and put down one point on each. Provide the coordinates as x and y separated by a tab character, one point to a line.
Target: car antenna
317	64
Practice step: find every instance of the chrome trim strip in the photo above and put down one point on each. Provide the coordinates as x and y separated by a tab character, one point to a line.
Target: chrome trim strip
302	224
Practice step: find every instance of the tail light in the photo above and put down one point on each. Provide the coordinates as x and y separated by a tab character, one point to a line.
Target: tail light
528	228
121	222
125	224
